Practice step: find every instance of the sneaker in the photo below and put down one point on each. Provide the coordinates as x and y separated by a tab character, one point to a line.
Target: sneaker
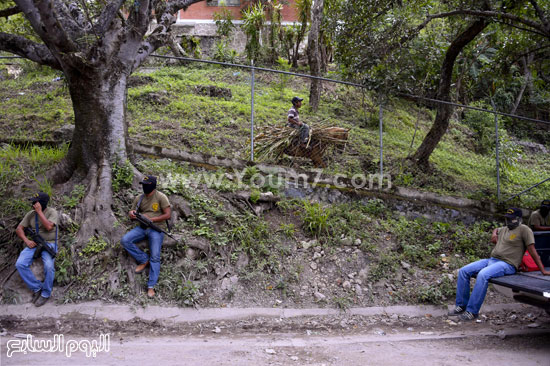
141	267
456	311
151	293
35	296
41	301
467	316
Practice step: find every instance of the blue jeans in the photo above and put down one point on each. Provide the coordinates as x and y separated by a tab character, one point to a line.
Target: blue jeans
155	238
23	265
485	270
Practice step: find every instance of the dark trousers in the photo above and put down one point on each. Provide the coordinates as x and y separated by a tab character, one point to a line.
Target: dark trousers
304	131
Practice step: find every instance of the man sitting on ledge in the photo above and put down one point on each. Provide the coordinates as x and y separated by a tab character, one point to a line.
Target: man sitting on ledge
43	220
511	242
294	120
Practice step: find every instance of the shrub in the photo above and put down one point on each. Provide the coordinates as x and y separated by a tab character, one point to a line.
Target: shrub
191	45
222	52
95	246
76	195
224	23
253	22
316	218
123	175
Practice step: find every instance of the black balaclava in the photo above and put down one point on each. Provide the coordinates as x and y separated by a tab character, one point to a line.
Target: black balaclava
148	188
544	210
44	203
41	197
513	223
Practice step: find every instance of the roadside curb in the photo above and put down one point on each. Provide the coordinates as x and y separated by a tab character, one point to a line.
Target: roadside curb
171	315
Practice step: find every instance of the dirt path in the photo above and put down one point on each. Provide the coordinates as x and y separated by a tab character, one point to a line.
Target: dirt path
518	336
460	348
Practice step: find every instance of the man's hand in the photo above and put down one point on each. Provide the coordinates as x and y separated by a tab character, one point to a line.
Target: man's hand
37	207
546	273
132	215
295	121
31	244
48	225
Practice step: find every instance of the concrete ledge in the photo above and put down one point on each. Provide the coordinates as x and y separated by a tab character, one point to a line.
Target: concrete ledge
171	315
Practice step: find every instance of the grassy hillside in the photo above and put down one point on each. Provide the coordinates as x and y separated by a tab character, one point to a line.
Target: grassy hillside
296	253
168	107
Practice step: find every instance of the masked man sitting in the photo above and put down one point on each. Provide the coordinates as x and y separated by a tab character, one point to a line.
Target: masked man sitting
511	242
155	206
43	220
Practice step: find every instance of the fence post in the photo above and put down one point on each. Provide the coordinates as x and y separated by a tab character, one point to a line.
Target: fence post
252	114
380	116
497	158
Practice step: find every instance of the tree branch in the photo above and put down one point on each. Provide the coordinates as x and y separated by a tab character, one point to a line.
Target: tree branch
32	15
62	41
75	23
42	18
493	14
164	12
139	18
108	15
173	6
536	27
157	39
21	46
541	15
4	13
402	41
512	25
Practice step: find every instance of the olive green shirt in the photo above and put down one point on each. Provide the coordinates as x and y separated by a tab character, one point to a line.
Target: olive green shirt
537	219
152	206
51	215
512	244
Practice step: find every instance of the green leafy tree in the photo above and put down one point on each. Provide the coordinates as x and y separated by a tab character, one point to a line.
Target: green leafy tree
224	23
274	9
393	45
253	22
303	7
224	28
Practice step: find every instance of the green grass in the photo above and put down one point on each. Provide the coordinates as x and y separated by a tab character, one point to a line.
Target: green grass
20	165
13	158
189	121
34	103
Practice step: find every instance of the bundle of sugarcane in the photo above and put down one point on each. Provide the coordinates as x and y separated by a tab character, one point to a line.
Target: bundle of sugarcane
274	141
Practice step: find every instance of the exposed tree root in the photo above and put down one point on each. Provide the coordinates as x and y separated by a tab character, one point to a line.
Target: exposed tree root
96	209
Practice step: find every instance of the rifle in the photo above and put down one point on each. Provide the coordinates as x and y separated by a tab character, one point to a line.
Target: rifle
40	243
145	221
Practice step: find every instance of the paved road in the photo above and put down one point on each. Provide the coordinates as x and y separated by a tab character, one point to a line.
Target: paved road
507	335
478	347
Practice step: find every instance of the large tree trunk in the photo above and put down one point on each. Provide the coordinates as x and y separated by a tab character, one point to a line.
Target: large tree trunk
444	111
314	53
99	139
